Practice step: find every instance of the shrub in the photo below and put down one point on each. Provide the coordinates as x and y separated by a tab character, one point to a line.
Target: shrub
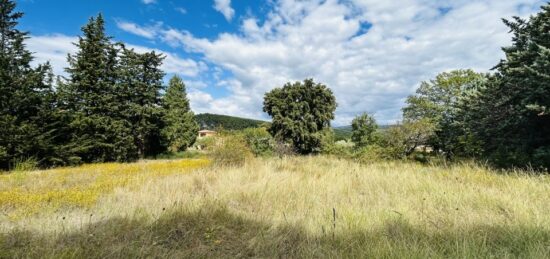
372	153
340	148
259	141
25	164
230	151
205	143
401	141
284	149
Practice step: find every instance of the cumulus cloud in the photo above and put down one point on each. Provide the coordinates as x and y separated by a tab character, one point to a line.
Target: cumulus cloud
148	32
54	49
371	53
224	7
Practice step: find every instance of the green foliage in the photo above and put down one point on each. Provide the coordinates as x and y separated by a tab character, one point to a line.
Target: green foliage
300	112
400	141
509	114
205	143
372	153
181	128
25	164
259	141
140	81
26	95
230	151
437	101
364	129
213	121
99	130
342	133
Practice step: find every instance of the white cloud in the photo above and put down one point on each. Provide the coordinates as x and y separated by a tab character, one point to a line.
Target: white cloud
148	1
371	53
54	48
181	10
148	32
173	64
224	7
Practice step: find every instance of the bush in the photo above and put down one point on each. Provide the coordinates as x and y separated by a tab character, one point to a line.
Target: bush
340	148
205	143
25	164
284	149
230	151
401	141
372	153
259	141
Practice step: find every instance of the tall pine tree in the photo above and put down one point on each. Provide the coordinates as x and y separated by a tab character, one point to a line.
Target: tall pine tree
26	95
181	129
510	115
140	80
100	131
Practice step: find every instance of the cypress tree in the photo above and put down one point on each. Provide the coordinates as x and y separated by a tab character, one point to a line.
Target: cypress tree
141	83
99	130
26	95
510	115
181	128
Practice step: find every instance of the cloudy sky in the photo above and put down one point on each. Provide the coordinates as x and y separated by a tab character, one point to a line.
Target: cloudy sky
371	53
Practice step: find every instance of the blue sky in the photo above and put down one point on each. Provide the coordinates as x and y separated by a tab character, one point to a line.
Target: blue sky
371	53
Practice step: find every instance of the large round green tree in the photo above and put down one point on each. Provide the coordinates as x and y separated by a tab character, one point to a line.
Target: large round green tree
301	113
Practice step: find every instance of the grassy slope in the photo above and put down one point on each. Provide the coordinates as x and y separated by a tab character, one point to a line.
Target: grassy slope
299	207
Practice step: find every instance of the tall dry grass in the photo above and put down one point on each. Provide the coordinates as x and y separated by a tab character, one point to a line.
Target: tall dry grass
301	207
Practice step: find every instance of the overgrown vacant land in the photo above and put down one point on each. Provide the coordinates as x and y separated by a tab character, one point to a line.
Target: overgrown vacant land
299	206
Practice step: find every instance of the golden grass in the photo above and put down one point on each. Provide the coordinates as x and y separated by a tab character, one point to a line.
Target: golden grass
25	193
295	207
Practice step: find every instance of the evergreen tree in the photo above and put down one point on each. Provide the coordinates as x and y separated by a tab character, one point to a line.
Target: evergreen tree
437	102
141	82
510	116
92	97
181	128
363	130
301	114
26	95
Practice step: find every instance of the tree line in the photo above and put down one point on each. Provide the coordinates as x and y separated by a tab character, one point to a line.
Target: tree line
502	117
216	121
111	106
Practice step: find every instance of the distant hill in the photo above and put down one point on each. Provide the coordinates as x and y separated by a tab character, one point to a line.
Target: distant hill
213	121
342	133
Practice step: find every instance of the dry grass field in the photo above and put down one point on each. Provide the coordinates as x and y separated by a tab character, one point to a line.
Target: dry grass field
293	207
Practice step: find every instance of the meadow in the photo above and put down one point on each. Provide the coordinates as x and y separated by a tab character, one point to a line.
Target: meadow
311	207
